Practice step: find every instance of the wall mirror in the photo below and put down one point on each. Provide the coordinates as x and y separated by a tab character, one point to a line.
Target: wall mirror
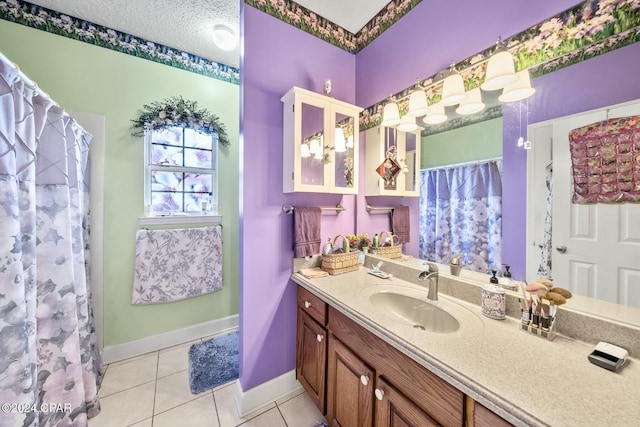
568	92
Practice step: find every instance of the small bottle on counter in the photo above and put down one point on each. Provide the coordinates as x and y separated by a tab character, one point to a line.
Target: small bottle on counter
376	241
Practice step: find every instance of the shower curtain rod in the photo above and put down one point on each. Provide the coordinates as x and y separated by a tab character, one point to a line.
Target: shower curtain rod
30	83
457	165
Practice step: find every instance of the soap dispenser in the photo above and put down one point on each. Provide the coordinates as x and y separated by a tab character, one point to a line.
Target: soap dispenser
507	282
493	279
493	299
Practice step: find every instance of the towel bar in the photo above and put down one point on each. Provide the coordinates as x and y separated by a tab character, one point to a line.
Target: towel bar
338	208
379	208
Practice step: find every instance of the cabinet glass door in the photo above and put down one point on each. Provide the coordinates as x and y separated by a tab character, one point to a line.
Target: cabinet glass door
343	167
312	152
409	162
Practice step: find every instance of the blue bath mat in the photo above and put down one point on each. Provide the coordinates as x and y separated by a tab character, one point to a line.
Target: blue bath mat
213	362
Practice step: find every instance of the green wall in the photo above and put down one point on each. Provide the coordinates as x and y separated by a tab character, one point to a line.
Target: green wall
90	79
478	141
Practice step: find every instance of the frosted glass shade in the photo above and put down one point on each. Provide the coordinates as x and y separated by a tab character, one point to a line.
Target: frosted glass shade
304	151
224	37
314	146
453	90
500	71
319	155
390	114
407	123
340	143
350	141
520	89
473	104
435	115
418	105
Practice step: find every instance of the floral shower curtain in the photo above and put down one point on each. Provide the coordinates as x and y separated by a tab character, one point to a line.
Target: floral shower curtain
461	213
50	367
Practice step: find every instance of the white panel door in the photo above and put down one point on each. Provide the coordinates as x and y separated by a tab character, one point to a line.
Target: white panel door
596	248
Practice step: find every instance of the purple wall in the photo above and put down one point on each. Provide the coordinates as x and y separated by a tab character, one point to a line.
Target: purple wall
276	57
604	80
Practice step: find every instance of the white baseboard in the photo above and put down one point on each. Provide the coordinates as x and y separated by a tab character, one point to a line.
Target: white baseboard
265	393
115	353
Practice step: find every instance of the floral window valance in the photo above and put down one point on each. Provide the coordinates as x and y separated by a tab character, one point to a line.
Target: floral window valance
605	158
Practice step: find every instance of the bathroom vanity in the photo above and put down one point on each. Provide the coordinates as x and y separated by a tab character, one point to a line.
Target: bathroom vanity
363	365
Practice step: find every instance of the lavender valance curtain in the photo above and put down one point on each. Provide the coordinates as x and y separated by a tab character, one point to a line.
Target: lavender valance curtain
50	367
461	213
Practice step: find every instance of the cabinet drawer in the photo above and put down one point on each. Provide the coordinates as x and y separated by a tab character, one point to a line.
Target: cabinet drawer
312	305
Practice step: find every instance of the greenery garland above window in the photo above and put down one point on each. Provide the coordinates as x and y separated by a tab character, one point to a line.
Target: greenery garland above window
176	111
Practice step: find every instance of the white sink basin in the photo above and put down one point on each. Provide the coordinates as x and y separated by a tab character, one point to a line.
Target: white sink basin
416	312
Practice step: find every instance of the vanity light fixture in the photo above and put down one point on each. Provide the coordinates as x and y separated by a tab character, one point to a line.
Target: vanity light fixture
453	87
224	37
407	123
473	104
520	89
304	150
500	69
340	143
435	115
319	155
390	114
418	105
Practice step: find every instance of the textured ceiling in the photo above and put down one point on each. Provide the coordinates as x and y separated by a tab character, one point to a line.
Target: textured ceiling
187	24
351	15
182	24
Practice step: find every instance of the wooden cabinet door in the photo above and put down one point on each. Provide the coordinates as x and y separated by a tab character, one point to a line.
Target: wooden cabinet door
394	409
483	417
349	388
311	358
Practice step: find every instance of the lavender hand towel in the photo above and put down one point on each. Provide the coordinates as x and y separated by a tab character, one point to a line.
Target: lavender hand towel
306	231
400	223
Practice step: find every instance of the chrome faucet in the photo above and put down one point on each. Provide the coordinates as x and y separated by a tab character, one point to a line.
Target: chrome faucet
430	275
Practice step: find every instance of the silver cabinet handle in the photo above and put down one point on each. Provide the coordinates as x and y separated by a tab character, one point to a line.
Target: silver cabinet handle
379	394
364	380
562	249
319	337
307	304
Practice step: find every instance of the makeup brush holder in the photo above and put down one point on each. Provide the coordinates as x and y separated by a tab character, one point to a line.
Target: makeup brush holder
540	329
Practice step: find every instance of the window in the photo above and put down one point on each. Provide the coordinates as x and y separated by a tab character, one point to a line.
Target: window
181	172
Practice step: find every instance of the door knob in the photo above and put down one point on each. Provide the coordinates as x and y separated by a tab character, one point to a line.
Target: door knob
307	304
319	337
562	249
379	394
364	380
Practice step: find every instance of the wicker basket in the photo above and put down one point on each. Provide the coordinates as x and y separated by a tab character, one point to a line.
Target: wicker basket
340	263
393	251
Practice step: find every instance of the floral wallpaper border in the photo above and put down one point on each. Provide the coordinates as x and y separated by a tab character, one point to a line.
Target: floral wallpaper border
22	12
587	30
308	21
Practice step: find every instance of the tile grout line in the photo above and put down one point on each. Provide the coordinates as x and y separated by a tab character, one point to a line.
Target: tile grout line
155	390
284	420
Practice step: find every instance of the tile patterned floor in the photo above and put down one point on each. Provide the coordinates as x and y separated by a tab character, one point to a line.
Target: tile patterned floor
152	390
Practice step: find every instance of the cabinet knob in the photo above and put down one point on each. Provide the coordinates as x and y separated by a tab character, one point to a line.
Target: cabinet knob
364	380
379	394
307	304
319	337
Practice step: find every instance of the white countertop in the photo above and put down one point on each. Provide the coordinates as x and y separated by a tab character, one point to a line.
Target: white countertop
526	379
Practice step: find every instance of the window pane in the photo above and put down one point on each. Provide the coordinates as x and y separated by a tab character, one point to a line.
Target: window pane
197	140
198	183
194	158
193	201
166	155
166	181
171	136
166	202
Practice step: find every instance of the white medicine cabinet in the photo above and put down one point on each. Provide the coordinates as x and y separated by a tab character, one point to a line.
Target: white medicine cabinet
320	143
392	162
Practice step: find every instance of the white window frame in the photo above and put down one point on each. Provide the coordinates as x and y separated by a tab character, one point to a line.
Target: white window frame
183	217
